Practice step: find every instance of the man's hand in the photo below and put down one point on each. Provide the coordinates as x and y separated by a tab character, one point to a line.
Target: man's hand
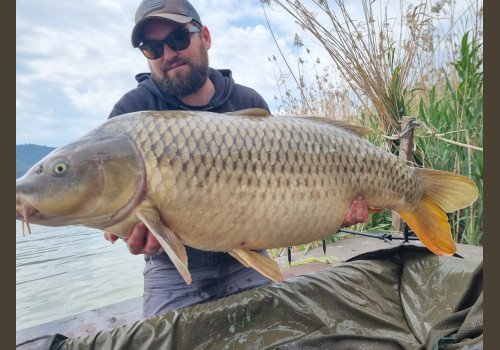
140	240
358	213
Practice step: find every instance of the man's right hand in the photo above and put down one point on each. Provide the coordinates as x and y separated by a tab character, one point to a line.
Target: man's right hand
140	240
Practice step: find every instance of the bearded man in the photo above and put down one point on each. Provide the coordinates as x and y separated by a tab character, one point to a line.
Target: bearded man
172	37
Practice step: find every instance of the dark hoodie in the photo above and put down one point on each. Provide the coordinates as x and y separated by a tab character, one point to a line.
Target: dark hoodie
228	97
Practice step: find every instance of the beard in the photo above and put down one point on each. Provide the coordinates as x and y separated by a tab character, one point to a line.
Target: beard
181	85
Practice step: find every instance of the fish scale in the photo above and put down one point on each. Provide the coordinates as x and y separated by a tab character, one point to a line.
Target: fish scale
200	178
233	182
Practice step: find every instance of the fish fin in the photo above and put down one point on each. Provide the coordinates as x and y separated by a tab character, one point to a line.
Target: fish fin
444	192
374	210
451	191
254	112
237	257
263	264
430	224
358	130
169	241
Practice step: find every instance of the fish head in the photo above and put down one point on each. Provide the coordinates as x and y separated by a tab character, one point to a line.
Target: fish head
93	182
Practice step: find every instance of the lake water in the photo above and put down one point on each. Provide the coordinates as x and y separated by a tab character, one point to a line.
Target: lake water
62	271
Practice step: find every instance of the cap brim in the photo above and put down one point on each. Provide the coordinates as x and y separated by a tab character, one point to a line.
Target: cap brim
170	17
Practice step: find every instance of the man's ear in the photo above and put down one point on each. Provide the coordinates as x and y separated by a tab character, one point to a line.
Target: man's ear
205	34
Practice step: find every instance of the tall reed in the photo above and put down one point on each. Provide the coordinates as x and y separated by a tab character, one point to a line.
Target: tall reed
451	136
426	63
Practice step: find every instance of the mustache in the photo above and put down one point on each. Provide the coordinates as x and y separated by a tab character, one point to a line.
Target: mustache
174	62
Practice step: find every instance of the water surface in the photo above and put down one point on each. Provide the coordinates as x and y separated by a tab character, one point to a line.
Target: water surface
62	271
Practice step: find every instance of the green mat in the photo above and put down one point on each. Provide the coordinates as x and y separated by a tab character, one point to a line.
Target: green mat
398	298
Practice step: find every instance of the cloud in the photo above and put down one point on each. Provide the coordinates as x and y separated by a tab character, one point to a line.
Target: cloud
74	59
72	64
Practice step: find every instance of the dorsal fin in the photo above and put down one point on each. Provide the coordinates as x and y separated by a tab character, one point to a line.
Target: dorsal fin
252	112
353	128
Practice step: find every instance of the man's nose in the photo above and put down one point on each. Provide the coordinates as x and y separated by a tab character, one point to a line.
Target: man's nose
168	53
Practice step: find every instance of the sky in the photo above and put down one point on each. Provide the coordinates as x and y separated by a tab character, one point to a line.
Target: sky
74	59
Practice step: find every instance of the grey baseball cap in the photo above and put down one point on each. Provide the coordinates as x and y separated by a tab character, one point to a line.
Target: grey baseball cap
179	11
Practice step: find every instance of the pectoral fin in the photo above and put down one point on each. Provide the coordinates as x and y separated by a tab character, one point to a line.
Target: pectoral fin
266	266
168	240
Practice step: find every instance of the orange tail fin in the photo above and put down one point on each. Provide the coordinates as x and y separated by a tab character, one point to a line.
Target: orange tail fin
444	192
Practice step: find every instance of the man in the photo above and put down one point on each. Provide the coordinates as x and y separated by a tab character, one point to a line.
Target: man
171	36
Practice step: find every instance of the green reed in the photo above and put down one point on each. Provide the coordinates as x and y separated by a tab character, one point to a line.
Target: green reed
379	74
451	136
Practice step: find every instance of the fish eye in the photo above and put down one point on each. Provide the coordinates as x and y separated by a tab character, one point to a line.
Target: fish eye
59	167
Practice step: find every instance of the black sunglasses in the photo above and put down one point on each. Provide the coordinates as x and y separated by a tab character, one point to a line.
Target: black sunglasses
177	40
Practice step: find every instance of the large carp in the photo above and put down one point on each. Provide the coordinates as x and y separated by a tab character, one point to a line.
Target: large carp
233	182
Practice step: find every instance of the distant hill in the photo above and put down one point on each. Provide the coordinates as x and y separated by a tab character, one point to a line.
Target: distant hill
28	155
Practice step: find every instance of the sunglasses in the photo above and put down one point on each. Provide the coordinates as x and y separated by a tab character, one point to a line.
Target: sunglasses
178	40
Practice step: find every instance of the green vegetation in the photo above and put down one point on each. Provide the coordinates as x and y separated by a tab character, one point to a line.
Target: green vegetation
451	137
427	62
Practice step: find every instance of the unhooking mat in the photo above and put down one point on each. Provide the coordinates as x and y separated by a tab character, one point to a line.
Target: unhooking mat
398	298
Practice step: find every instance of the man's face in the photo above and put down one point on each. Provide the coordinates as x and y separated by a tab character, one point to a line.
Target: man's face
179	73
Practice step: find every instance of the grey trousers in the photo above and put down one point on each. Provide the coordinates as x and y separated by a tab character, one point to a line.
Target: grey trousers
215	275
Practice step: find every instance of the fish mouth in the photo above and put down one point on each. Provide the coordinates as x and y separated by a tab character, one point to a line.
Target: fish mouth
24	212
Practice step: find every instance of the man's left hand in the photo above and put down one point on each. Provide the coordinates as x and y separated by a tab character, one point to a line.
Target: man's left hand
358	213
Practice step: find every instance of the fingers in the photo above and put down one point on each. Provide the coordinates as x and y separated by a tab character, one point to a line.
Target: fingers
358	213
362	210
139	241
110	237
151	246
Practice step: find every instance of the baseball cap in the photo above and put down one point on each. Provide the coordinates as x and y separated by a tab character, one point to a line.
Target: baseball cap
179	11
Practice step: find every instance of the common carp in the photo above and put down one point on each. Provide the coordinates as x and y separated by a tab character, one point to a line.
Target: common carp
233	182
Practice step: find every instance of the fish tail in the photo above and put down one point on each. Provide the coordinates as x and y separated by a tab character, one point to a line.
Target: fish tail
444	192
